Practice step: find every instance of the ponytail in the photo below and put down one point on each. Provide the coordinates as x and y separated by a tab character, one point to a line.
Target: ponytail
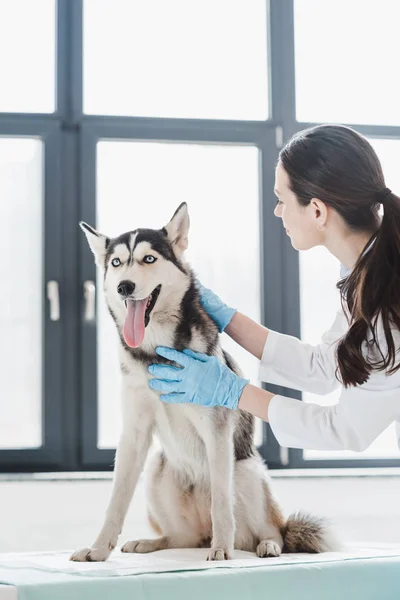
372	294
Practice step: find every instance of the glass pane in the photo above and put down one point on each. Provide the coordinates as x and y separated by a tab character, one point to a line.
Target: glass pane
204	59
27	55
347	61
319	272
141	185
21	193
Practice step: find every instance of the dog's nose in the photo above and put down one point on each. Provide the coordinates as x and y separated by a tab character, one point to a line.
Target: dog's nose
126	288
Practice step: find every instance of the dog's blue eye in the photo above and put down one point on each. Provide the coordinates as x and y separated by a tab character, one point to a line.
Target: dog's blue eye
115	262
149	259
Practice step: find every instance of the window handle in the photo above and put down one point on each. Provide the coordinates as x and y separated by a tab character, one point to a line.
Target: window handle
53	297
89	294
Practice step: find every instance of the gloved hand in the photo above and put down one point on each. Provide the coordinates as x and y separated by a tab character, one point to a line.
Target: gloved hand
202	380
220	312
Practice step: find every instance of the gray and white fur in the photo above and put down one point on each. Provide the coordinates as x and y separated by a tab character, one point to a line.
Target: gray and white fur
208	486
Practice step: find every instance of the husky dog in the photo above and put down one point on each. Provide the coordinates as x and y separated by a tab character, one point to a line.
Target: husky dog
208	486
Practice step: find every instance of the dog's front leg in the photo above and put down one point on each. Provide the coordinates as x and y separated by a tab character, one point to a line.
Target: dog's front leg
220	452
130	457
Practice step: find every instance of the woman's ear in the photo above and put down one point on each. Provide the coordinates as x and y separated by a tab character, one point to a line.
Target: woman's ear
320	211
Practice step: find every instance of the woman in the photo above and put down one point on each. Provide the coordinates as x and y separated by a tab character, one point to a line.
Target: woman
330	186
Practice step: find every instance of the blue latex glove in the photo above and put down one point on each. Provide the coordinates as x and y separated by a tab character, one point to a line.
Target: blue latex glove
202	380
220	312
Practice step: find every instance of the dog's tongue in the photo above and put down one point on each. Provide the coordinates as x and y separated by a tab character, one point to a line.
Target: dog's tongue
134	322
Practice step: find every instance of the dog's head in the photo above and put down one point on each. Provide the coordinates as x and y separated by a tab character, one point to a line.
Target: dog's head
142	269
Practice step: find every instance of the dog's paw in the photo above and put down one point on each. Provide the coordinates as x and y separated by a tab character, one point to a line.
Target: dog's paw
268	548
220	554
91	554
141	546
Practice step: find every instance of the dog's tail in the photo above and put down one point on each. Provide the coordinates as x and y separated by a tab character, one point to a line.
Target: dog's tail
305	533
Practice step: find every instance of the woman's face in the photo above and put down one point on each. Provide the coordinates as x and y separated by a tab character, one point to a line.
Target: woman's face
303	224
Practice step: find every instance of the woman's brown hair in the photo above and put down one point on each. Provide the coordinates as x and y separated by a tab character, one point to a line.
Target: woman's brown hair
337	165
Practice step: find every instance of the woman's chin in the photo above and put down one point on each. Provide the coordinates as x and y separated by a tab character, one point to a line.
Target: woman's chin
301	245
296	244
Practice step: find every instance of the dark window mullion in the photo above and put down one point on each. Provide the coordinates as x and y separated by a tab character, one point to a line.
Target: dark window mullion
178	130
282	64
69	111
380	131
69	61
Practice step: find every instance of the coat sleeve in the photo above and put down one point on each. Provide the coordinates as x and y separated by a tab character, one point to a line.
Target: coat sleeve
362	412
289	362
360	416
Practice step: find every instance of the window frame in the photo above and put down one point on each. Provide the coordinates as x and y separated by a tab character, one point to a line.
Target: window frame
70	407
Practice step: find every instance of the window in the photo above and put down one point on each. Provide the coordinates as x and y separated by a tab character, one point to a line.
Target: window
140	184
28	54
176	59
115	111
347	61
21	167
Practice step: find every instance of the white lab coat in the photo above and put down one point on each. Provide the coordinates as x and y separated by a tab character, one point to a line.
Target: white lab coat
361	414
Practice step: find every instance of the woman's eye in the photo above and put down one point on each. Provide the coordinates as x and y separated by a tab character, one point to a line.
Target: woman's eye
149	259
115	262
279	202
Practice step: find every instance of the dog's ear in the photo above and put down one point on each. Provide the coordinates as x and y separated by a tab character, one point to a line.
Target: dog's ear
178	229
97	241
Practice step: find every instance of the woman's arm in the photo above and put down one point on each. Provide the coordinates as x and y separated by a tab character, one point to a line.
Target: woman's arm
359	417
361	414
286	360
255	401
247	333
